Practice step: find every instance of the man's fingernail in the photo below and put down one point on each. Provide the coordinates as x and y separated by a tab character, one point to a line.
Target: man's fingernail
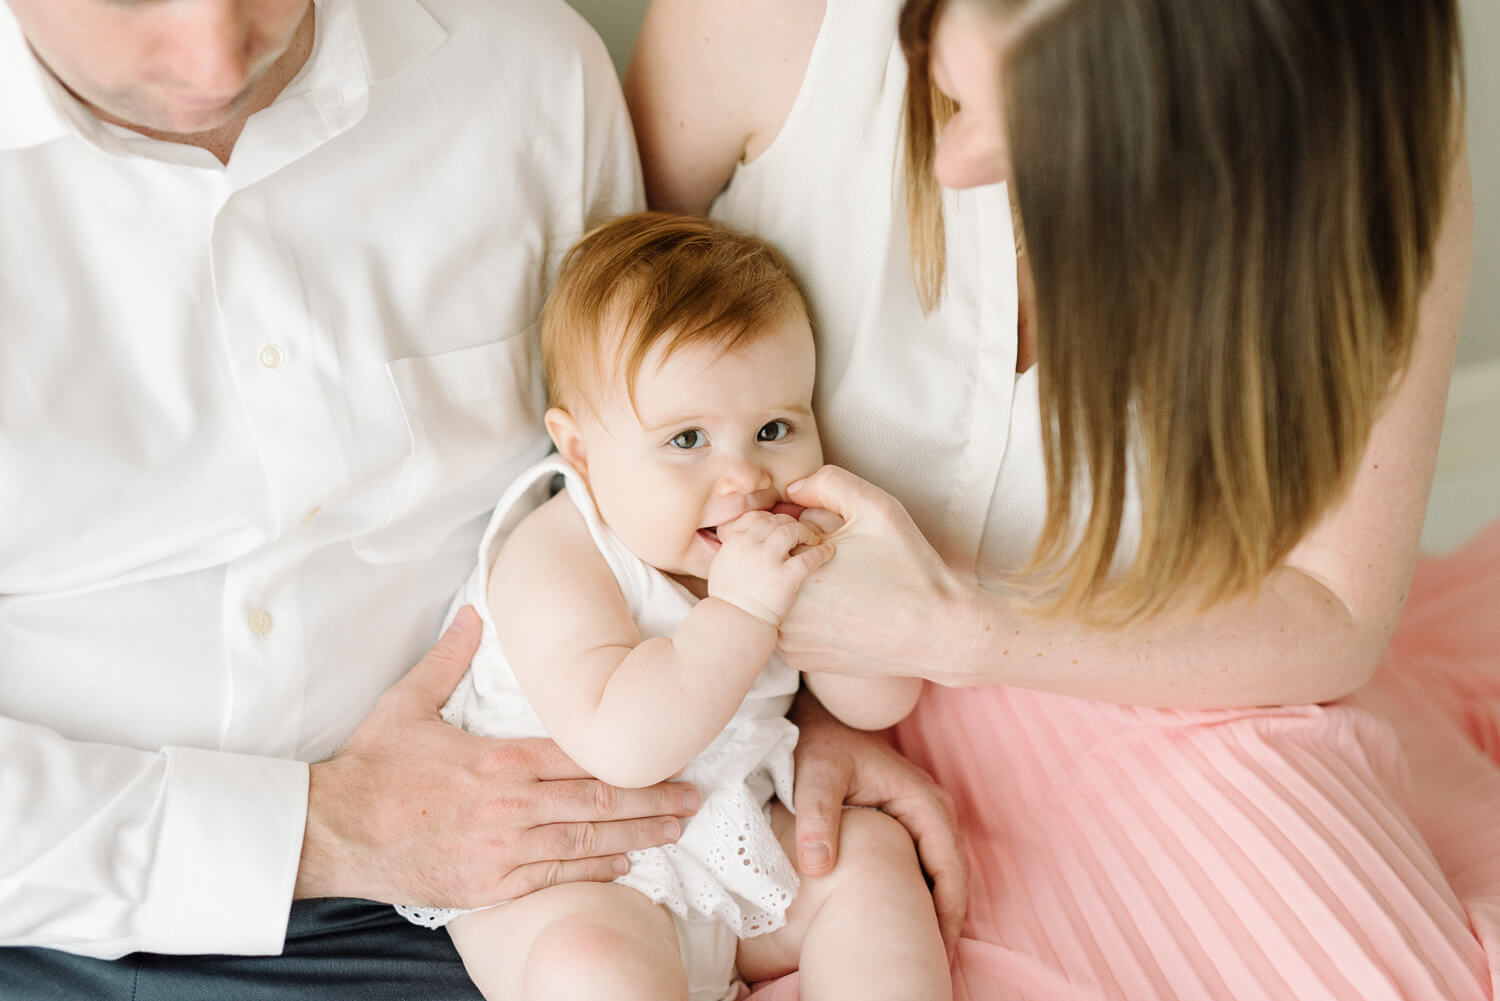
691	801
792	488
815	855
672	830
620	866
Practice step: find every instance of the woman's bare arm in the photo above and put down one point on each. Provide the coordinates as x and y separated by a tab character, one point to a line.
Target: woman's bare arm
709	85
1315	630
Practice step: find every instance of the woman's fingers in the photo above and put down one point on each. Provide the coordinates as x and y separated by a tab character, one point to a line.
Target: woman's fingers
839	491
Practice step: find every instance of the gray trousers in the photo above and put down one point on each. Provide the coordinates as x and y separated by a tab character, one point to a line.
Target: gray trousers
336	950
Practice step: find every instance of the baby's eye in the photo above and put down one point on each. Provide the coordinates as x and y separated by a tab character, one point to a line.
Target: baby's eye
773	431
688	440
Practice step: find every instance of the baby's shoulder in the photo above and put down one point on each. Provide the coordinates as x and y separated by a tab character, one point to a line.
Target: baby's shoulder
553	537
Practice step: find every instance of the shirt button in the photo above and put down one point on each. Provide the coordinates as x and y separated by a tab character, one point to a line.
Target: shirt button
272	356
260	622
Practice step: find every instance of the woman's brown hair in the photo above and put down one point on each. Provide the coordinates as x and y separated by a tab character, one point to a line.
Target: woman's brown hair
1230	210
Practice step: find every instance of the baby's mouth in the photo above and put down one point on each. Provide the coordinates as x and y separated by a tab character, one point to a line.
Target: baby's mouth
710	533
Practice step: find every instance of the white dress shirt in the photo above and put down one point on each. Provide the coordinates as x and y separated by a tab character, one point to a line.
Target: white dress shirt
251	419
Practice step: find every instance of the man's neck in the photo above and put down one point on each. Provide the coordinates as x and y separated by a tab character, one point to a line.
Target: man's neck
220	140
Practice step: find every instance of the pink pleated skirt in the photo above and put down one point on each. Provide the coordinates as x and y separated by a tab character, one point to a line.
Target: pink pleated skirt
1345	852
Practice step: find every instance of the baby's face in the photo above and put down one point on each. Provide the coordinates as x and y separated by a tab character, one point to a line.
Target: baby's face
711	436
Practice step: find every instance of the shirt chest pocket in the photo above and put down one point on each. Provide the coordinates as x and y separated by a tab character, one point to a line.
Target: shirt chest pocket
473	418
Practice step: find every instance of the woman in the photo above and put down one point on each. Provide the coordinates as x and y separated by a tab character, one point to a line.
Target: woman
1170	454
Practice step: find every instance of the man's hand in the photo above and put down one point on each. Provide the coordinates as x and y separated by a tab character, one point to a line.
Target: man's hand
414	811
837	765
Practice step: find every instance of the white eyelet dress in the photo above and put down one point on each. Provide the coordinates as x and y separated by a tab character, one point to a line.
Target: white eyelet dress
727	868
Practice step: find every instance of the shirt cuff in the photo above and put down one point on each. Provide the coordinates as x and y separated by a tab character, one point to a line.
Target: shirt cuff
227	856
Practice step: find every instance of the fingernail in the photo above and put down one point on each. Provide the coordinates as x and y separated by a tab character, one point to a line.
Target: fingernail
691	801
815	855
671	830
792	488
620	866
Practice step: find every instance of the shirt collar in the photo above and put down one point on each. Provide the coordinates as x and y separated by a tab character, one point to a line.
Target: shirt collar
393	34
29	116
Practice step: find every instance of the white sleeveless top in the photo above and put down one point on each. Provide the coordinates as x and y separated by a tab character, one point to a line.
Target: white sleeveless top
927	407
727	866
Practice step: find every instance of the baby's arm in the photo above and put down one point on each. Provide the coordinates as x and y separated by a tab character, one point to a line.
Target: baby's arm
628	710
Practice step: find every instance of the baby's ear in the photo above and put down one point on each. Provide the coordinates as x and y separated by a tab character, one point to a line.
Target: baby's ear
566	436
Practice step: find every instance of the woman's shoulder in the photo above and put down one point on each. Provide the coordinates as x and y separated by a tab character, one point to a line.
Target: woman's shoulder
709	85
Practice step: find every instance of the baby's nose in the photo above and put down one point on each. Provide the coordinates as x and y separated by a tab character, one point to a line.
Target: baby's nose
742	476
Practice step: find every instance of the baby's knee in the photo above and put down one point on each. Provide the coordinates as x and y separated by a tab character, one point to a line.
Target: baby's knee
588	956
873	844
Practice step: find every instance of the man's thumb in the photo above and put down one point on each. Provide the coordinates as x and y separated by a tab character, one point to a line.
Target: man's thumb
440	670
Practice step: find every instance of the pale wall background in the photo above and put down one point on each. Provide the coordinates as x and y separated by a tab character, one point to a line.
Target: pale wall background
617	21
1466	493
1481	338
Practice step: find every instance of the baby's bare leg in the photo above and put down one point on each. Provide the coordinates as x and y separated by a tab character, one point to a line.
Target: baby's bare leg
867	930
573	941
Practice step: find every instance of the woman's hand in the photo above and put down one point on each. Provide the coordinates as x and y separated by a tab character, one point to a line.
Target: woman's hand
875	609
838	766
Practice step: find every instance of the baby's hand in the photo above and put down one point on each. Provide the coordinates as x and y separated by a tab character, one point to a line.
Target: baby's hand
762	561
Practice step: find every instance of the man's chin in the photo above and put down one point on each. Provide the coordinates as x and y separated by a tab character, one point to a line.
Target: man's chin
169	117
170	126
194	121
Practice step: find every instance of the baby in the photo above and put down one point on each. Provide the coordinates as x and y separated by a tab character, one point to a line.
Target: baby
633	618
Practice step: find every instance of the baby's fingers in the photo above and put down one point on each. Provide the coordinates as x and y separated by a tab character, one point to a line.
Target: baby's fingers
764	528
753	526
787	535
807	535
808	558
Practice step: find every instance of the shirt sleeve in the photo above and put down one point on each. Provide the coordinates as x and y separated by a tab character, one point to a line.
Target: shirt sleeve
111	850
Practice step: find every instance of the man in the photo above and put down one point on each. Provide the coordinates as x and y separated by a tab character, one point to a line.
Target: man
270	277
